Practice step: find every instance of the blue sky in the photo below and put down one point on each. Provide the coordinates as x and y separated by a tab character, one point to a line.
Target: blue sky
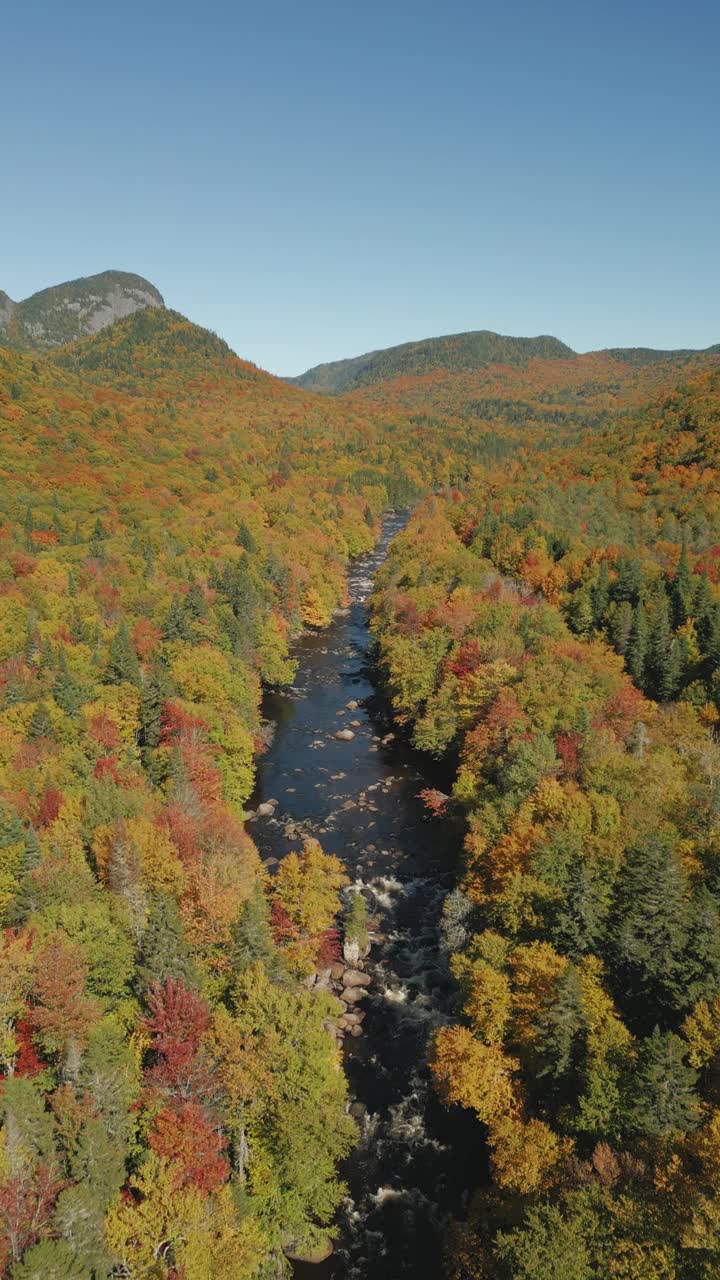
312	180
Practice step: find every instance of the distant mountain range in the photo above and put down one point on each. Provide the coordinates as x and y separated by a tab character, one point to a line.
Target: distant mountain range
461	353
73	310
81	308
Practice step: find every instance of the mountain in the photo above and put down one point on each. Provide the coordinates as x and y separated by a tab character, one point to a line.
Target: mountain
73	310
465	353
457	353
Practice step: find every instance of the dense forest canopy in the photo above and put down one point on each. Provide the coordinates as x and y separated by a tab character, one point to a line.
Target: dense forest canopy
170	518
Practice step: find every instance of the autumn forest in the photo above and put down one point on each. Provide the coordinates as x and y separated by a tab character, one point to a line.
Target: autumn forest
544	647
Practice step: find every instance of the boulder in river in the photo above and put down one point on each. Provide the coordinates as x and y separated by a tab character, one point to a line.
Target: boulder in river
266	809
318	1254
352	705
356	978
343	735
350	995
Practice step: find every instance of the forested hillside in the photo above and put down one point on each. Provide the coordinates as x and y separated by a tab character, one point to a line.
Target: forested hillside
468	354
552	629
171	517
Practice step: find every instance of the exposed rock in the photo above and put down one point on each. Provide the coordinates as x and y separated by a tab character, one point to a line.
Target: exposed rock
266	809
74	309
345	735
352	705
351	995
356	978
337	971
318	1254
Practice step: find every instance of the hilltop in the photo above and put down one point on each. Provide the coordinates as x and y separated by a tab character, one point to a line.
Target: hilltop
466	353
457	353
73	310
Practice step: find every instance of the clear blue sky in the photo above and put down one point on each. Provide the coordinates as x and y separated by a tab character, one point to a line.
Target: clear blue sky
316	179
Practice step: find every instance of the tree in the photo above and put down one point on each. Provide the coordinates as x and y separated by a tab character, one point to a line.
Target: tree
682	587
41	725
68	694
637	651
192	1140
550	1242
252	938
164	952
30	1180
62	1013
177	1021
664	1100
561	1025
473	1074
600	595
54	1260
649	932
245	538
307	886
663	669
122	664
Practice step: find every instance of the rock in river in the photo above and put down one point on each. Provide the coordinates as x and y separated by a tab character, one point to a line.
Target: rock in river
356	978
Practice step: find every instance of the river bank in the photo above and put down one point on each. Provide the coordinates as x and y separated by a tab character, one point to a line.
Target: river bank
336	771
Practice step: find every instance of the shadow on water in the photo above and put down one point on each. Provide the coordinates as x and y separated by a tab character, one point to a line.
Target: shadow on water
360	798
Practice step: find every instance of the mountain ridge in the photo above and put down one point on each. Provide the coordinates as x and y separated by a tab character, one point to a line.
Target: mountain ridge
74	309
462	353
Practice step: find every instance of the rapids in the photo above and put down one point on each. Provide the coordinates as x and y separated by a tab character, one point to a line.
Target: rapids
360	798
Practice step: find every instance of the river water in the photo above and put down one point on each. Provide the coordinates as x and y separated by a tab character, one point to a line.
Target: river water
360	798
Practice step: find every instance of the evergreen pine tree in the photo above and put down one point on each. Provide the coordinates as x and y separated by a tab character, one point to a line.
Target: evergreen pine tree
122	664
628	584
29	527
560	1029
622	627
252	935
663	663
650	931
664	1100
195	605
638	646
41	726
600	595
703	610
164	953
32	639
682	588
245	538
176	625
68	694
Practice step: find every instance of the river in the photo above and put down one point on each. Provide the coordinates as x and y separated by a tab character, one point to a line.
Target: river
360	798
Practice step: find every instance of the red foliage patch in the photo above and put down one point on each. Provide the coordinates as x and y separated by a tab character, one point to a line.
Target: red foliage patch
145	638
27	1062
49	806
188	1136
567	746
283	929
177	1021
